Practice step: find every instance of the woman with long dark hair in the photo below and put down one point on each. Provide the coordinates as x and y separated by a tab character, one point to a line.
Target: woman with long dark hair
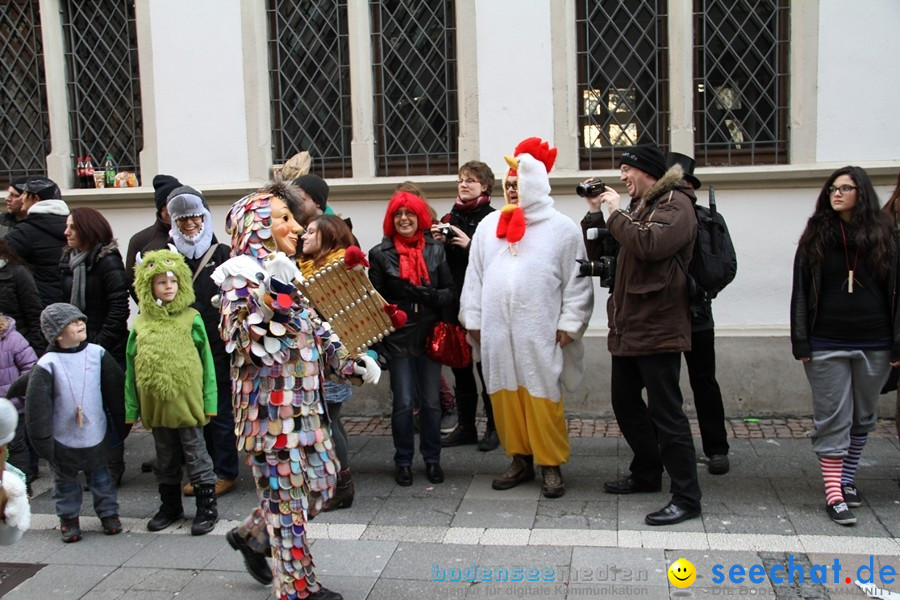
326	239
845	325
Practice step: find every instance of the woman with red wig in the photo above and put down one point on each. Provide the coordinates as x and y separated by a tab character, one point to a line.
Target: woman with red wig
410	269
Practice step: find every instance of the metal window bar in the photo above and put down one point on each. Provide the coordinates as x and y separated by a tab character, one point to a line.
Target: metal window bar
103	81
622	78
24	119
309	75
416	115
741	81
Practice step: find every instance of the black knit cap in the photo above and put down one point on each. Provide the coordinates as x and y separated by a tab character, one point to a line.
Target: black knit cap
163	185
316	187
646	157
687	165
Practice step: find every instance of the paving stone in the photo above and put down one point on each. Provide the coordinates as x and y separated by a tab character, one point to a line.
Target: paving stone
95	548
563	513
430	562
404	534
402	589
432	512
495	513
177	552
60	582
352	558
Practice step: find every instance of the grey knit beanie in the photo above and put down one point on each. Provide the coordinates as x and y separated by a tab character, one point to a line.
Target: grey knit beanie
55	317
9	417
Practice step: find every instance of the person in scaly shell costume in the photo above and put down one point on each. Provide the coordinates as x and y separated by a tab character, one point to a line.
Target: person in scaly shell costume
522	300
277	345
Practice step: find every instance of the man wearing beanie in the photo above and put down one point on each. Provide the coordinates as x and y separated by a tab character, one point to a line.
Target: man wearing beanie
314	195
649	328
155	237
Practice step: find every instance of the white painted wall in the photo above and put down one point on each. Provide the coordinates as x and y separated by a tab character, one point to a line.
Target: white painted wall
859	82
199	90
514	76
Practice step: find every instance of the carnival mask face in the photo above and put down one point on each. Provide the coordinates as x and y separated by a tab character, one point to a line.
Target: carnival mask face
285	229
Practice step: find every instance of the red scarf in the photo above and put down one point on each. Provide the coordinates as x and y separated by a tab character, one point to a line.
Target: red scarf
470	205
412	261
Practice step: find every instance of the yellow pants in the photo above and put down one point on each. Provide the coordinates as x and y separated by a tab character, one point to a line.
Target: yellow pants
531	426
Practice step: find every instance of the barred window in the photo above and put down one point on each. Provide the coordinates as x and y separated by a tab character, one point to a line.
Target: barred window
622	78
414	55
310	83
741	81
103	81
24	121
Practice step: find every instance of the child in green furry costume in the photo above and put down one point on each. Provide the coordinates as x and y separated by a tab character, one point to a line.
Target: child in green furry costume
170	383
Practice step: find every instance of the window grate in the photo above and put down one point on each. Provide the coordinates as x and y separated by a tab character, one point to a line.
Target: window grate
309	76
622	78
414	54
24	120
741	81
103	81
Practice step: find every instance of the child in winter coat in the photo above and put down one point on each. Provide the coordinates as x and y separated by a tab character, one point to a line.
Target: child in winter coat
16	359
74	396
170	383
15	514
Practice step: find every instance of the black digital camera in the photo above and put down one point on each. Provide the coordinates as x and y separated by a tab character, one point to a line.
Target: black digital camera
446	231
605	266
591	187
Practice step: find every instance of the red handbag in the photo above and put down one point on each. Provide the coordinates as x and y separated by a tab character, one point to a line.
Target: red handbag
447	345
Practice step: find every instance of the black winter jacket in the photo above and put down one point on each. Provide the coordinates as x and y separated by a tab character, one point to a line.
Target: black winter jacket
105	297
204	290
422	315
38	240
20	300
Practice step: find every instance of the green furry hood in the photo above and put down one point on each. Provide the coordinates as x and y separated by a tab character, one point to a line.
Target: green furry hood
156	263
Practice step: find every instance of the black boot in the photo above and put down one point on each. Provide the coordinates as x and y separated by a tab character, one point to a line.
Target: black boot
116	464
170	510
207	513
325	594
343	493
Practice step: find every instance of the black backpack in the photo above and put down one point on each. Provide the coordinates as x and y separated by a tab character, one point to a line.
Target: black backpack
714	263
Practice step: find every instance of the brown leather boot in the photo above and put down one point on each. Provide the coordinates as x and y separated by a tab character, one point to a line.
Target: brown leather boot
343	493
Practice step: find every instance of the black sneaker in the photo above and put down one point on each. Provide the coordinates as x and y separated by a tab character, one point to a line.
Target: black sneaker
111	525
448	421
718	464
841	514
851	495
460	436
69	529
490	441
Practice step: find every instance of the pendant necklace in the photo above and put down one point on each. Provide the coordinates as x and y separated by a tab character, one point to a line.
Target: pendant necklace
850	271
79	401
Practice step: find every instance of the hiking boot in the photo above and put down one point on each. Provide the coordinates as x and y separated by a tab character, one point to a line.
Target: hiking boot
69	529
207	514
223	486
520	470
718	464
448	421
325	594
841	514
460	436
343	493
255	562
170	509
553	483
851	495
111	525
490	441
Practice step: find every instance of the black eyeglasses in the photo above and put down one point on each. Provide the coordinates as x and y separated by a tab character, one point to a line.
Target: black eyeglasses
843	189
511	185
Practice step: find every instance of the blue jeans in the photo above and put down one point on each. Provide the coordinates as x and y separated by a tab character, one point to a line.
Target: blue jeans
415	377
67	492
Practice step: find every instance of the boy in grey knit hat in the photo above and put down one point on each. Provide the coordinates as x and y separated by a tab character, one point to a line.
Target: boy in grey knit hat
72	392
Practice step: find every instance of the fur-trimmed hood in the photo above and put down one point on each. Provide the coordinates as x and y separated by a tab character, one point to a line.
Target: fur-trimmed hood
96	254
672	179
155	263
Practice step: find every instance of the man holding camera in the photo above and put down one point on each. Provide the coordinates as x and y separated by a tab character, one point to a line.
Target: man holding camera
650	326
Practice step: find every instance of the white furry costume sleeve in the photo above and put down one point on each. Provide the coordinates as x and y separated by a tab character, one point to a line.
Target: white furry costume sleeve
519	301
16	517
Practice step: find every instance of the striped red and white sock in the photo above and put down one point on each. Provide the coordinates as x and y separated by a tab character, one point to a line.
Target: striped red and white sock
831	474
851	461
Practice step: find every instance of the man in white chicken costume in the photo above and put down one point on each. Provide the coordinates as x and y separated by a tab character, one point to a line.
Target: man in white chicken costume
526	306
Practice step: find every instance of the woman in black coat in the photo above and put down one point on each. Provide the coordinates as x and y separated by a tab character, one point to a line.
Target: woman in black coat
19	297
410	269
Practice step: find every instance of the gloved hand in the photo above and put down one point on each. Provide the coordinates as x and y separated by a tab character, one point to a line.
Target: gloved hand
245	266
281	268
423	294
367	368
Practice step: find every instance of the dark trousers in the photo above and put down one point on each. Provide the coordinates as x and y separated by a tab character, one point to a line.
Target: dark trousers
415	377
467	396
219	434
701	365
658	432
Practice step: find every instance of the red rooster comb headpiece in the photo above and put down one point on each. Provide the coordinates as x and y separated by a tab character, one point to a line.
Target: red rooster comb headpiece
539	149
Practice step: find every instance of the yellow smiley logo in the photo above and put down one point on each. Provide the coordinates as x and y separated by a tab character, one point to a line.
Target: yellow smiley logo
682	573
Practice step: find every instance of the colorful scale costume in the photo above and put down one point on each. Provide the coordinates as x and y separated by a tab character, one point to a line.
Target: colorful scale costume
277	346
